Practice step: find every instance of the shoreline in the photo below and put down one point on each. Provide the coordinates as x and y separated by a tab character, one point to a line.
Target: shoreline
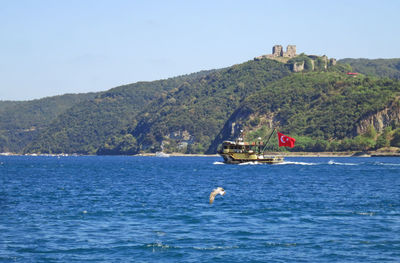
284	154
296	154
287	154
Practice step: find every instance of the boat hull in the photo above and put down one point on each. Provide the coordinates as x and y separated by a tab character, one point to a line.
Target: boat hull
244	158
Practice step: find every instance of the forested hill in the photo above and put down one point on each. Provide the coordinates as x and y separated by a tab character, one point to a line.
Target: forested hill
307	97
317	105
86	126
197	110
323	107
21	121
389	68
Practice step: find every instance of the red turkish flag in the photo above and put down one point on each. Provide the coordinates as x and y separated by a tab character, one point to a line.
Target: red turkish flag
285	141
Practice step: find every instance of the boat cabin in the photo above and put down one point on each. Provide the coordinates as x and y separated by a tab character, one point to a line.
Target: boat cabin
241	147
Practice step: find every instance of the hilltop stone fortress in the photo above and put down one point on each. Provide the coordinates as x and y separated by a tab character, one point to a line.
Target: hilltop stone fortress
277	51
279	55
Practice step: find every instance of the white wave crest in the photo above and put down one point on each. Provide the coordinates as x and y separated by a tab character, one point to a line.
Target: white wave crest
218	163
158	244
387	164
332	162
216	248
249	163
365	213
296	163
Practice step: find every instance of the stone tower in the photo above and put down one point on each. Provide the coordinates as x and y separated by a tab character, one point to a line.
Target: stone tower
290	51
277	51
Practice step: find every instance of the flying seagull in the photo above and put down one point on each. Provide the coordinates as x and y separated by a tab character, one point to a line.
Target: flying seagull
215	192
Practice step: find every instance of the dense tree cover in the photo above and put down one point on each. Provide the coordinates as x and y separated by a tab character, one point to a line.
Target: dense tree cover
383	138
87	126
119	144
194	113
319	108
389	68
396	138
21	121
363	142
201	107
323	104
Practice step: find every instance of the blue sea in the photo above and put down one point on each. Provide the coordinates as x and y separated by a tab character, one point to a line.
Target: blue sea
149	209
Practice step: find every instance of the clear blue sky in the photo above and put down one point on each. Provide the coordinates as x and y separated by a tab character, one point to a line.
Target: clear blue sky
71	46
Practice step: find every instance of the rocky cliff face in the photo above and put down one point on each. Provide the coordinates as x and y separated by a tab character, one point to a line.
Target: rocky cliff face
240	120
381	119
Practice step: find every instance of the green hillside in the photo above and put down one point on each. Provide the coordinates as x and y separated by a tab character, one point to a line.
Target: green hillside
389	68
200	108
21	121
321	106
86	126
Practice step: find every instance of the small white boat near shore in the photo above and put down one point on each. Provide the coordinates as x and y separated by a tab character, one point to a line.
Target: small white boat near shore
162	154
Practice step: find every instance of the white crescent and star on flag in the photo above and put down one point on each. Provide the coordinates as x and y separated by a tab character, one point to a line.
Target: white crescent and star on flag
284	139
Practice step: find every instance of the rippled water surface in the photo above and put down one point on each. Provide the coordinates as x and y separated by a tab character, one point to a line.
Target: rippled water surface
148	209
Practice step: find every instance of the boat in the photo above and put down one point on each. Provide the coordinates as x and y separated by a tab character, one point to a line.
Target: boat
239	151
162	154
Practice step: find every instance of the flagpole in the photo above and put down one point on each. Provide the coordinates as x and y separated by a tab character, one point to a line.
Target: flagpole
268	140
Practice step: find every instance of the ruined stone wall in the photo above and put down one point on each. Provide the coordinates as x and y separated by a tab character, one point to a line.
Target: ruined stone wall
290	51
317	62
277	51
298	67
325	60
312	64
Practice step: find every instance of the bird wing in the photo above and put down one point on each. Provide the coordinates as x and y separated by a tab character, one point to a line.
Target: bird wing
212	196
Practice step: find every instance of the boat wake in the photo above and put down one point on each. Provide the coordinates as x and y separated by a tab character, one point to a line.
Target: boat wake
296	163
386	164
257	163
332	162
249	163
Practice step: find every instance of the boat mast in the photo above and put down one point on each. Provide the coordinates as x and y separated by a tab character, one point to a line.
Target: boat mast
268	140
